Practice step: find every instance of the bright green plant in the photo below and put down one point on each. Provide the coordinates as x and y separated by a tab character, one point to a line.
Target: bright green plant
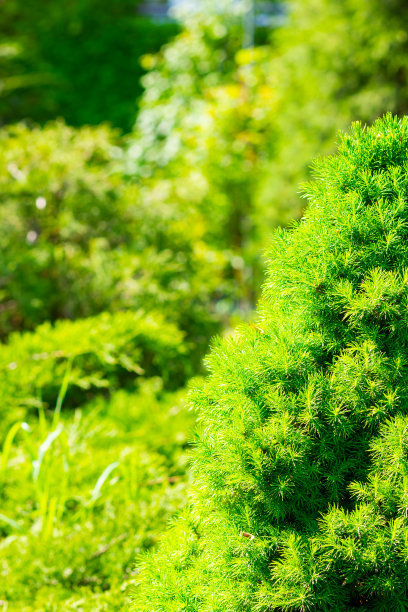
87	355
82	491
299	499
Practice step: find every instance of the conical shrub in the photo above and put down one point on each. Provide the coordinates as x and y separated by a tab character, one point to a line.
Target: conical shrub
300	494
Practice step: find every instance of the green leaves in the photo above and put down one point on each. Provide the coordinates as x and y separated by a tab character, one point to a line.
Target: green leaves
80	358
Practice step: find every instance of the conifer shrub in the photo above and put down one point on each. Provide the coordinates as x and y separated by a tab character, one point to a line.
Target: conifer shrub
300	492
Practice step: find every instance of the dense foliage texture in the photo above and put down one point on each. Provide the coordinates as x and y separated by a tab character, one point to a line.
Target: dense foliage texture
300	481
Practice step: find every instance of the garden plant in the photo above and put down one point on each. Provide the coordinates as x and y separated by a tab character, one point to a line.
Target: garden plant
122	255
300	492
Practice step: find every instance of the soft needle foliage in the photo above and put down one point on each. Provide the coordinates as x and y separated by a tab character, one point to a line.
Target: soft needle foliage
300	499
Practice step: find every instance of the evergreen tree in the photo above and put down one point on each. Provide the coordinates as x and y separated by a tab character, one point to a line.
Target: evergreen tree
300	492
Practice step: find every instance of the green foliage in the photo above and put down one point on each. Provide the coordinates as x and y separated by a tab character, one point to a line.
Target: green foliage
79	60
104	287
299	499
61	210
204	134
101	352
235	130
81	493
332	63
77	239
201	56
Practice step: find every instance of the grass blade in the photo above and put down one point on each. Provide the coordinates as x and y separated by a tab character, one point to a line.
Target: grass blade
101	480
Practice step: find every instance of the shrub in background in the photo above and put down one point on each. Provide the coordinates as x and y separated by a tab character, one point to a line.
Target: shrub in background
104	352
79	60
78	239
331	64
324	67
300	481
201	56
61	210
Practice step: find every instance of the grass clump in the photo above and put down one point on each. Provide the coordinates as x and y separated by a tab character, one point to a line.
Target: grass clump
299	499
82	493
92	456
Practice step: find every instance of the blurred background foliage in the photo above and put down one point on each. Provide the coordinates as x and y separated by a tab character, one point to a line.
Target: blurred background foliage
78	238
78	60
144	164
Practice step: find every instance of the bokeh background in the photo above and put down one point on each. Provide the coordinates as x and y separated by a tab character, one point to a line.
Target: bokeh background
148	151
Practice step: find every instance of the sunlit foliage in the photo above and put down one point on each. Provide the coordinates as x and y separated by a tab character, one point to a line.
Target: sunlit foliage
77	239
300	486
119	261
332	63
85	491
204	134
